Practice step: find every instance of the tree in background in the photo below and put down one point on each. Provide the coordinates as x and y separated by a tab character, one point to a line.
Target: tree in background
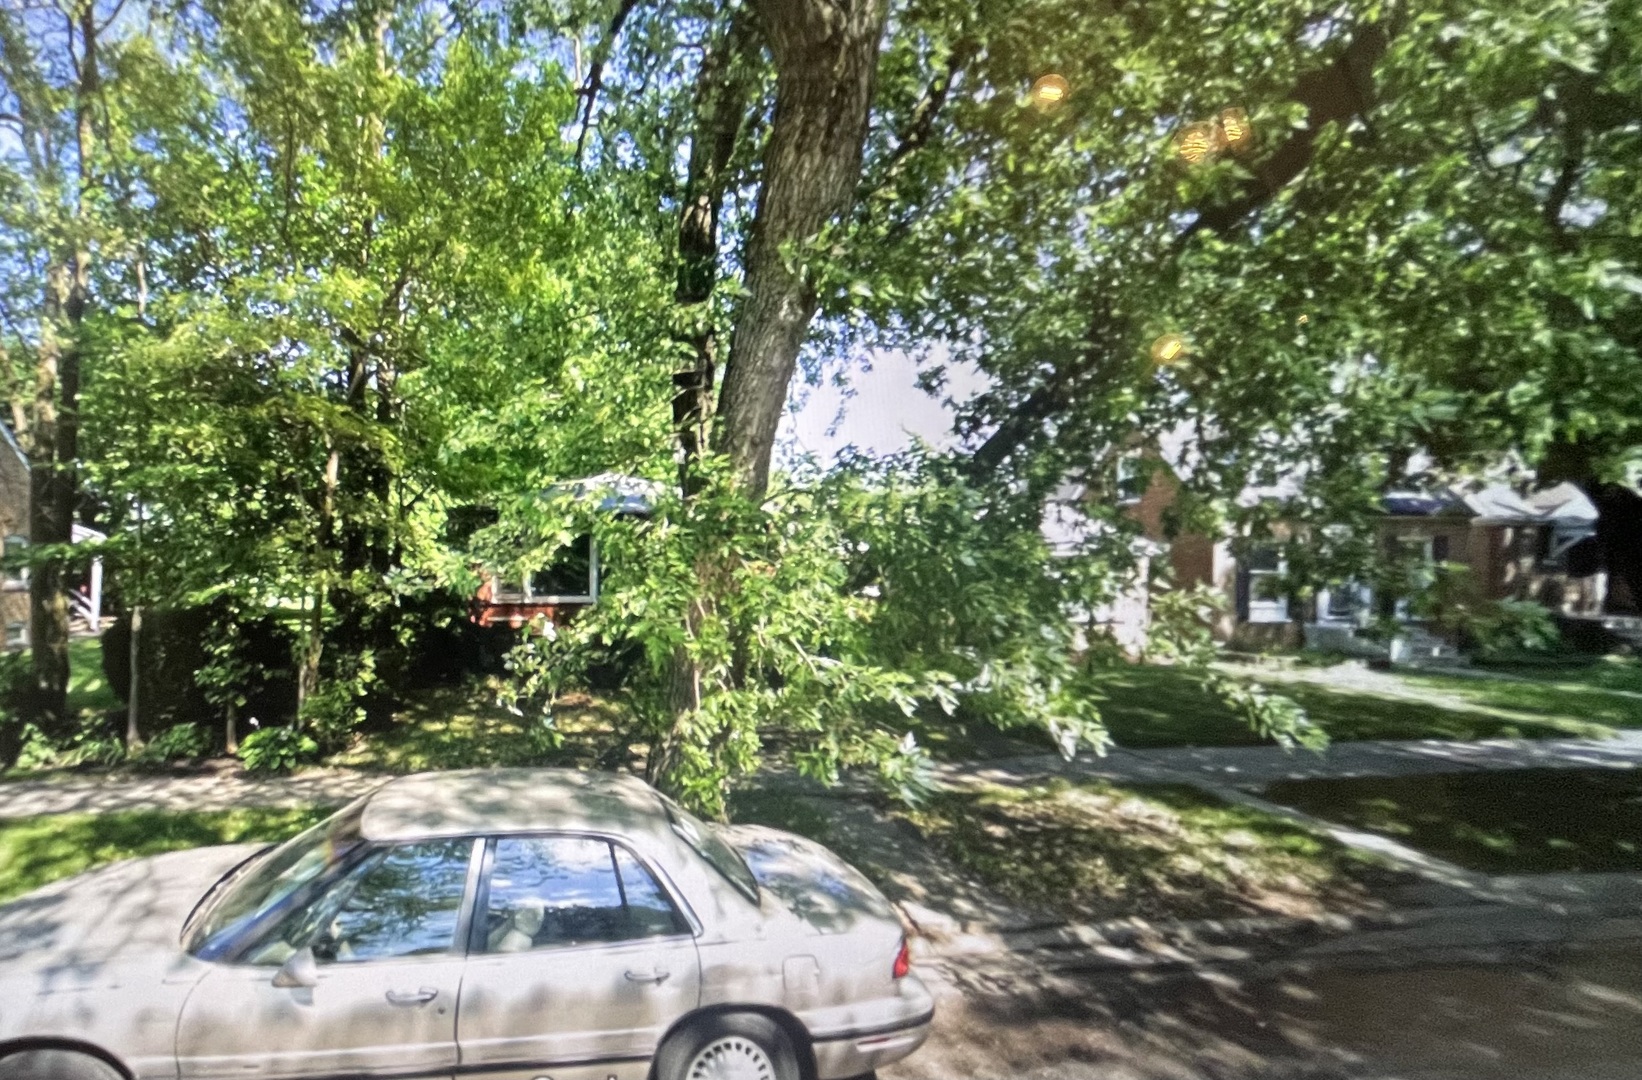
55	171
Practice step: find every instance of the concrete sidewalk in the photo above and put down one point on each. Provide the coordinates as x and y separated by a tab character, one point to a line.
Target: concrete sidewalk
1253	767
205	790
1239	768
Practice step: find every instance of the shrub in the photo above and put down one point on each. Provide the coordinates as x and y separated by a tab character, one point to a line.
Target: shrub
277	750
15	683
177	647
184	742
333	712
1509	627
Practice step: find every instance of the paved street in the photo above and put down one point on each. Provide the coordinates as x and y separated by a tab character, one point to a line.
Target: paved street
1563	1014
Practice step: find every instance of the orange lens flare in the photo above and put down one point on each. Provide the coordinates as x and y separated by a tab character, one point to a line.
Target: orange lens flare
1235	131
1195	143
1168	348
1049	91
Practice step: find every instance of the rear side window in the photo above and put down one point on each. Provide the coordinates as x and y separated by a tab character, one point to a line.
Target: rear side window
568	890
712	848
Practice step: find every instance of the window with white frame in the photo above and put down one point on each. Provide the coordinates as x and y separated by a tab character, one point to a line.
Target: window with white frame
1263	569
1343	603
17	635
572	578
16	574
1132	479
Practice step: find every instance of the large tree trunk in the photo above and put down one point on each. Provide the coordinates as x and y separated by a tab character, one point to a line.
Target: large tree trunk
50	514
722	92
826	59
53	484
721	104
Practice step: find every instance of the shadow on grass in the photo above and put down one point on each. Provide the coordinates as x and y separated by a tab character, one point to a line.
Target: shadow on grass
1518	822
1095	851
464	728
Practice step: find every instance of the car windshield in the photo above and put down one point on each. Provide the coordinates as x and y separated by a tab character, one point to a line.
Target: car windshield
706	842
305	858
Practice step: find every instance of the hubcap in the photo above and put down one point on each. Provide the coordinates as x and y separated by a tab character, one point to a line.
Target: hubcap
731	1058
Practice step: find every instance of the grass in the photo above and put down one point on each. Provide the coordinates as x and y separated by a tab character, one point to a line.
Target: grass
1528	821
38	850
1095	851
463	727
1158	706
88	689
1585	692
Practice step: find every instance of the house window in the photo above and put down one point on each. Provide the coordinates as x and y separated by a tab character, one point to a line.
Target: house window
1263	569
572	578
1132	479
17	635
16	575
1341	603
1557	544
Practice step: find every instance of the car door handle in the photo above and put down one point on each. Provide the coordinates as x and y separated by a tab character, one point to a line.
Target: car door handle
656	977
420	996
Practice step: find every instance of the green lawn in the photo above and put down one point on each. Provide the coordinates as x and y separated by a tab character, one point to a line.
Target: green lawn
1583	692
464	727
88	689
1159	706
38	850
1523	821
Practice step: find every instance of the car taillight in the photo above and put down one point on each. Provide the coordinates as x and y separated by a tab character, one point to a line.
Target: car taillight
903	961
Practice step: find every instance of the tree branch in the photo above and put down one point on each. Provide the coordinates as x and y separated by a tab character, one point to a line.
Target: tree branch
595	74
1337	92
921	123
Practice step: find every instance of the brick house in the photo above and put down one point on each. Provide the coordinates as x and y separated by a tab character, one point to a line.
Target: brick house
1540	547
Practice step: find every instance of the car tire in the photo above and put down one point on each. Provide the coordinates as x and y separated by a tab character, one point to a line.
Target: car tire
763	1048
56	1065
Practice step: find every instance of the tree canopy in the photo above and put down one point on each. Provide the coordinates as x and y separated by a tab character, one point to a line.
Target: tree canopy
287	285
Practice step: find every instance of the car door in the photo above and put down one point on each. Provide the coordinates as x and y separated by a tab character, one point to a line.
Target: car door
385	971
580	961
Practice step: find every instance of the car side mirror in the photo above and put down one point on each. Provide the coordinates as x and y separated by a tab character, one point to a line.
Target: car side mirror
299	970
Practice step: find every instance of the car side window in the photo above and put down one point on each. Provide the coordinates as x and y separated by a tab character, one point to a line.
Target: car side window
399	901
565	890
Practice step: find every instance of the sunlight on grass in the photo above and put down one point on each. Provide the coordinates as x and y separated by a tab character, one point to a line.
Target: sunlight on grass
38	850
1098	851
1159	706
464	728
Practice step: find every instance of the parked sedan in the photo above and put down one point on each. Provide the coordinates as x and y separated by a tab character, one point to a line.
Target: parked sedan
510	924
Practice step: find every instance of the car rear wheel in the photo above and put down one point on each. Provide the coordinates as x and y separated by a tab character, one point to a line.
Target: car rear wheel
729	1046
56	1065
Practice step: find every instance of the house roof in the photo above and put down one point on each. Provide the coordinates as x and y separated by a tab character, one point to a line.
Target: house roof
1421	504
11	441
613	492
1564	504
1498	503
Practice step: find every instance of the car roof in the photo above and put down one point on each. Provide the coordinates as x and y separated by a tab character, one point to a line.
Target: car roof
472	802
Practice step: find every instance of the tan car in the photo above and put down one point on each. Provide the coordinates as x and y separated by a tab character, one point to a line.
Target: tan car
517	924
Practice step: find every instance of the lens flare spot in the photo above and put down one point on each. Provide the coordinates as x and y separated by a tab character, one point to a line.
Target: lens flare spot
1195	143
1049	91
1168	349
1236	134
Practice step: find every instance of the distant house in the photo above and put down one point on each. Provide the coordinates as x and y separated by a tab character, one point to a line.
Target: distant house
87	597
1540	547
551	594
